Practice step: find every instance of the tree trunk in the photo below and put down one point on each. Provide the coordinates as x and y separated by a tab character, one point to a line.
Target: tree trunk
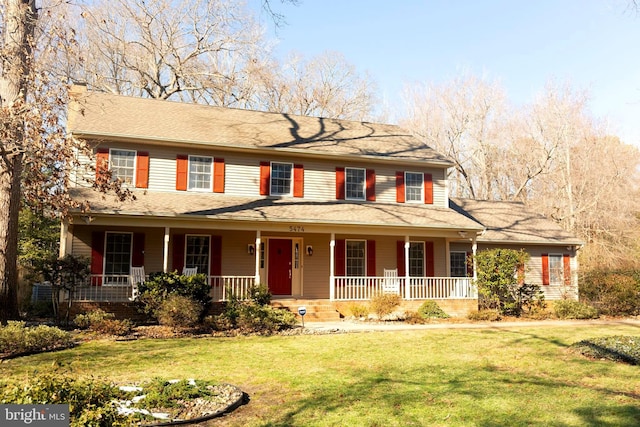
20	16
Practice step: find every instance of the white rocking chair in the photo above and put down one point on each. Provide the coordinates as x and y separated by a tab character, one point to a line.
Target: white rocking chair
391	283
189	271
137	276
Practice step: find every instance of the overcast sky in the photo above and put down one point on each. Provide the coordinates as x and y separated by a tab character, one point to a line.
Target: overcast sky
593	44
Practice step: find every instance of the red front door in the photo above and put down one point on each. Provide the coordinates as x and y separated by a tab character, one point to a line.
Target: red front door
280	266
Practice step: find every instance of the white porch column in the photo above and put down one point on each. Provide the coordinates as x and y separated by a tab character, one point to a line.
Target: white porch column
474	249
165	253
332	277
65	246
407	281
257	253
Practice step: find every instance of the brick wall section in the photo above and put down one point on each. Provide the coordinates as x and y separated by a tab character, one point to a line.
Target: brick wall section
122	310
453	307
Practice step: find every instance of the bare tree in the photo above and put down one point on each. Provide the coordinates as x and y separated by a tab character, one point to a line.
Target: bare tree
324	86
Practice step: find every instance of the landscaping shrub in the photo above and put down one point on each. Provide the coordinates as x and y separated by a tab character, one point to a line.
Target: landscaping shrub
179	311
570	309
85	320
161	285
384	304
617	348
615	293
254	315
359	310
485	315
430	310
16	338
414	318
103	323
90	401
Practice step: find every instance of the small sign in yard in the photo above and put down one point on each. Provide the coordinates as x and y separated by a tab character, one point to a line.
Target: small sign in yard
302	311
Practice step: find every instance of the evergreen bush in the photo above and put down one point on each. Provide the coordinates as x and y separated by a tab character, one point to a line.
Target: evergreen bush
430	310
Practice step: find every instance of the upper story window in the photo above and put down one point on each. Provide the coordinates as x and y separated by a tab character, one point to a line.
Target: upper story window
413	184
200	173
281	179
355	183
123	165
414	187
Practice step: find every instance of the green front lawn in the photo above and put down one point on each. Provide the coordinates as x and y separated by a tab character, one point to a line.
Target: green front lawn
522	376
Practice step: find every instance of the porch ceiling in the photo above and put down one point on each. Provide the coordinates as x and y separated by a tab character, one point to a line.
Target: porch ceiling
222	207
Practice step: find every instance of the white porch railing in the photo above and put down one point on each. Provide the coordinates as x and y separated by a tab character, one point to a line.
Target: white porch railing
120	288
364	288
222	287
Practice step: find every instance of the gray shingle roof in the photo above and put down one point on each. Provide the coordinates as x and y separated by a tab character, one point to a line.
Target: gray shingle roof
101	115
223	207
512	222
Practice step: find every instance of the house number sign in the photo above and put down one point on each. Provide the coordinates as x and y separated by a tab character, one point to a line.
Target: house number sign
296	228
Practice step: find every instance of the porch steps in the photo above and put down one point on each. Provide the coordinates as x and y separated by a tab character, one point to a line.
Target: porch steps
317	310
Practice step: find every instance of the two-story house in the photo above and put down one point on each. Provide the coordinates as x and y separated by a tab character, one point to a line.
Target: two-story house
313	208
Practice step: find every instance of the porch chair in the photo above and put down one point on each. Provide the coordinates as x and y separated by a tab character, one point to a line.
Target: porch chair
391	283
137	277
189	271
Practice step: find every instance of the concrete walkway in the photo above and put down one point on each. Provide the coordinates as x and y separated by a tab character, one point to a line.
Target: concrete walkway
357	326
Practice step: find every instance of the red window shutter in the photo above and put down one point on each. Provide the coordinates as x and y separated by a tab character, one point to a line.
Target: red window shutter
178	252
429	258
218	175
341	257
469	264
340	184
182	171
102	161
97	256
371	258
371	185
137	257
265	178
428	189
566	264
400	187
545	269
298	181
400	258
215	269
142	169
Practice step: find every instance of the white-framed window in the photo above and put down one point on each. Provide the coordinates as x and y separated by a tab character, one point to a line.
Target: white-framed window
197	248
458	263
123	165
413	186
416	259
355	181
281	179
356	257
117	253
556	269
200	173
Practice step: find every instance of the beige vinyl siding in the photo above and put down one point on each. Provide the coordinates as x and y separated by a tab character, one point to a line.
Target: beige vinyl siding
315	268
533	269
386	184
